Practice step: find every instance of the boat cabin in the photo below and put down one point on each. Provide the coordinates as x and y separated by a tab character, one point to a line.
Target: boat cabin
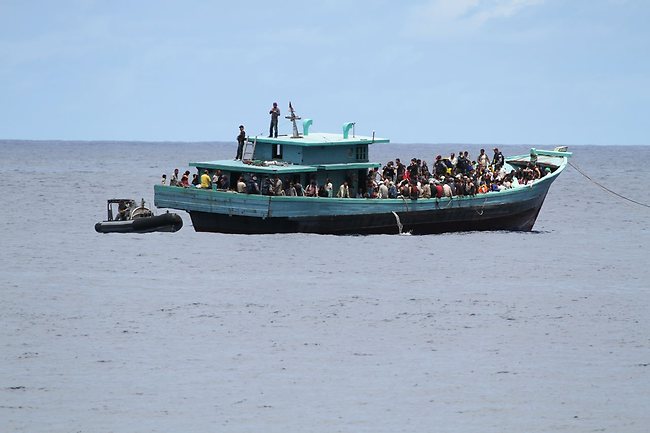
300	158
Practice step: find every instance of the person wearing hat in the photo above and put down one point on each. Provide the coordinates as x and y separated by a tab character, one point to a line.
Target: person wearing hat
439	167
275	114
241	138
383	190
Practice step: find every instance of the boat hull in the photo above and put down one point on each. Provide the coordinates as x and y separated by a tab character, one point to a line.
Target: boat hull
513	217
228	212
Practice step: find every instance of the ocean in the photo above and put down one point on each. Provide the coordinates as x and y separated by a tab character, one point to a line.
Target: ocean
200	332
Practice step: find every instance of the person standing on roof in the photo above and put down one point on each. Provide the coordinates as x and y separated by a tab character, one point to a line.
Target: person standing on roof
275	114
241	138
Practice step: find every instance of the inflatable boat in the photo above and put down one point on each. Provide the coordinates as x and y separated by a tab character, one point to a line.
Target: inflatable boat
131	218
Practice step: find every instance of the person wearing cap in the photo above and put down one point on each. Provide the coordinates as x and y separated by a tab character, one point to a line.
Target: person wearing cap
275	114
439	167
241	138
383	190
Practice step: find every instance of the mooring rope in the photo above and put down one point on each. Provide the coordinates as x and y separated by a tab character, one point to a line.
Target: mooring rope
607	189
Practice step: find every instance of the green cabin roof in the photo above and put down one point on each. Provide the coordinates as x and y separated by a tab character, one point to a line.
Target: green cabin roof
318	139
239	166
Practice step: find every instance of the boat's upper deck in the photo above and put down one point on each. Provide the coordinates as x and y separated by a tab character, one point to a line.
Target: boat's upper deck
318	139
278	167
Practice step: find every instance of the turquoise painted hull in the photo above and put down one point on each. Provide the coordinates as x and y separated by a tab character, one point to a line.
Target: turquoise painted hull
230	212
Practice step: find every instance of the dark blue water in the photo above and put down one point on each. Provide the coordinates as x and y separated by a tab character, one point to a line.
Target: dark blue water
486	332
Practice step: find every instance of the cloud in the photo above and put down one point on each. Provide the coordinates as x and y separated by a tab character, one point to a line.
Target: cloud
458	17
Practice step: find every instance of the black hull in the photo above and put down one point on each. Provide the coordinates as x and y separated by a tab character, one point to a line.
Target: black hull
167	222
518	216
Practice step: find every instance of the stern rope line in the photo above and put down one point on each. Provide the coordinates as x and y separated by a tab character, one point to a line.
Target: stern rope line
605	188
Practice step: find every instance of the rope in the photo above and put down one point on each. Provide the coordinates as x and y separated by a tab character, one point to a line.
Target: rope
607	189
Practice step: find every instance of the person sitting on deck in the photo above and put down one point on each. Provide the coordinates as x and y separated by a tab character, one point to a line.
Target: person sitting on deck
252	187
276	186
290	190
446	188
312	189
322	192
439	192
344	191
383	190
241	185
329	187
426	189
392	190
371	189
215	179
404	189
174	180
205	180
195	179
414	191
224	181
185	180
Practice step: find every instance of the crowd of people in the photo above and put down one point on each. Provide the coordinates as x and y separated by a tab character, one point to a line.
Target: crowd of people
448	177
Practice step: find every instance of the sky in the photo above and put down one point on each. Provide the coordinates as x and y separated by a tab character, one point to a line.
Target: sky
542	72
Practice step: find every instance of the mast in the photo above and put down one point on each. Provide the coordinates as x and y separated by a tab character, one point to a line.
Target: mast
293	119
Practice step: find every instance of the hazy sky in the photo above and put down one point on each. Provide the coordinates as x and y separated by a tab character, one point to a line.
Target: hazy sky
429	71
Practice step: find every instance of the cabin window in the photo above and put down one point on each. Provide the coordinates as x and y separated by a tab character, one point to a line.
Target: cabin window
362	152
277	151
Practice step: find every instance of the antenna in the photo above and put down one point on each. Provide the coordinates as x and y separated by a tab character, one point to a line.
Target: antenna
293	119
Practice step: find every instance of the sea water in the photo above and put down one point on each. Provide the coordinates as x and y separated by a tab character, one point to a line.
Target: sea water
201	332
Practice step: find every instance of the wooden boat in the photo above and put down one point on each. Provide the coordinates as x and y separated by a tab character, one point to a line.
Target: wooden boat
130	218
344	157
